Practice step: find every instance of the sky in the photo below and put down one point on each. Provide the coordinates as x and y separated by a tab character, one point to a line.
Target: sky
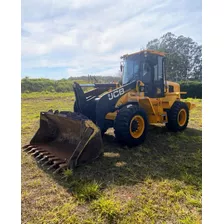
63	38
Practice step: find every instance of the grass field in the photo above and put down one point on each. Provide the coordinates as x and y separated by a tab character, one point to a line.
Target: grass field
157	182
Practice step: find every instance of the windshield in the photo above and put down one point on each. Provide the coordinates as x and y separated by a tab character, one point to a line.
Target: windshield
131	68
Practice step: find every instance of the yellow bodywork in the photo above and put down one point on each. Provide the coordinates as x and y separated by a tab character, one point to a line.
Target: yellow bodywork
141	126
155	108
144	51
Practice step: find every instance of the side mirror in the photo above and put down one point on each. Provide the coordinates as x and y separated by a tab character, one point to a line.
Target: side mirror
121	67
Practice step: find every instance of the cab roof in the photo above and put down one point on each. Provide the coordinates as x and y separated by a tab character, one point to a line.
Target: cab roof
148	51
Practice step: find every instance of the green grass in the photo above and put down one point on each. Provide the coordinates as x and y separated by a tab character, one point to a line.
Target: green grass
157	182
46	95
107	208
60	214
68	173
85	191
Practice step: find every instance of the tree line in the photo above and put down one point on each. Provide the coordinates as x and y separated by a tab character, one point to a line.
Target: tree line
183	56
62	85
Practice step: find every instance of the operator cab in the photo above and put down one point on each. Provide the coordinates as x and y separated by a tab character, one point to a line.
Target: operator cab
147	66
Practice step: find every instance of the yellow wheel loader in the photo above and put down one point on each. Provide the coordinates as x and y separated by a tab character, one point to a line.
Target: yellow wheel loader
69	139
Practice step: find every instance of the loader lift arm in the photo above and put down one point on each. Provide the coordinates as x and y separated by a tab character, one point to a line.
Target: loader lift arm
108	101
86	102
96	108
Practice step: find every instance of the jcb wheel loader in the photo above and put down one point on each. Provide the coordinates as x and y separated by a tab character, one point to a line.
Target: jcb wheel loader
68	139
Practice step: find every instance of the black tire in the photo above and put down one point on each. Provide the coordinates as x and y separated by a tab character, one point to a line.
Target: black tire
122	123
174	117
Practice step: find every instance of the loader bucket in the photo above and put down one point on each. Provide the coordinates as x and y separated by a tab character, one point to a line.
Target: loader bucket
65	140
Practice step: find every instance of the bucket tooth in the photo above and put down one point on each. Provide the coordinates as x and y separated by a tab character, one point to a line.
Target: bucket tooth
42	159
61	167
43	153
45	157
28	147
45	163
40	155
55	163
50	160
29	150
50	167
32	149
25	147
54	159
35	153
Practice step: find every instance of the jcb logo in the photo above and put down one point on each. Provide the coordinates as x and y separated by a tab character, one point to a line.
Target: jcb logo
116	94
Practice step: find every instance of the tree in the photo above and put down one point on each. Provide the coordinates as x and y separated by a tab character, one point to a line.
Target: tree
184	60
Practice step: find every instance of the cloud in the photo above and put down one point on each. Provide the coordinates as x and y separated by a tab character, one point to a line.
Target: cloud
79	37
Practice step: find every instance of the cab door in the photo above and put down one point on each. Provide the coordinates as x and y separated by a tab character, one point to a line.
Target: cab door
153	76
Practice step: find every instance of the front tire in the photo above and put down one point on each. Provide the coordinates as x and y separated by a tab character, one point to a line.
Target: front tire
131	125
178	117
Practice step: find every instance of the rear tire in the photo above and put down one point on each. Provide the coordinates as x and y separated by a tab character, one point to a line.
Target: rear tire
131	125
178	117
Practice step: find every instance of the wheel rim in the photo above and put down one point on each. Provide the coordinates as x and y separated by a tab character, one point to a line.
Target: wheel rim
182	117
137	126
